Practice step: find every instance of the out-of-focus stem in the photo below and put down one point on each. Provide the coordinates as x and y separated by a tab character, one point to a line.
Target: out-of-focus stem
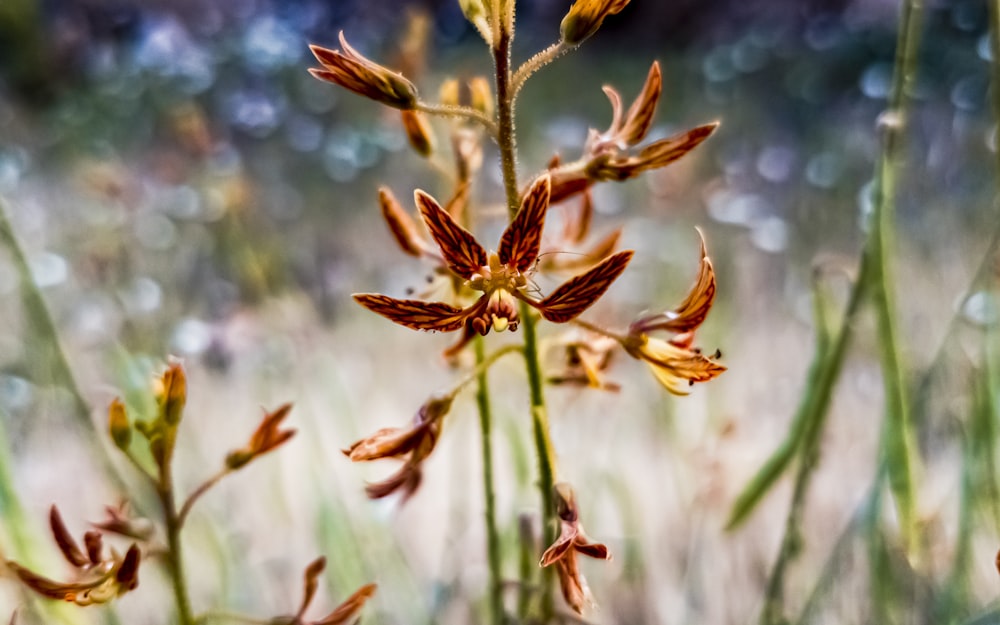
39	312
898	442
506	138
175	559
486	436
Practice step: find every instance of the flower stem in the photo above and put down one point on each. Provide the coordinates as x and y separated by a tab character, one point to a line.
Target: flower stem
492	536
507	141
466	112
537	62
175	560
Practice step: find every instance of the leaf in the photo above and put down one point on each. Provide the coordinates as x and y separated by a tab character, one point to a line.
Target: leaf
522	239
415	314
462	253
577	294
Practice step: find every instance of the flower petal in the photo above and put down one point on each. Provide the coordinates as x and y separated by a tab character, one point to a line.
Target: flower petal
522	239
402	226
462	253
577	294
412	313
692	311
69	548
665	151
640	115
346	611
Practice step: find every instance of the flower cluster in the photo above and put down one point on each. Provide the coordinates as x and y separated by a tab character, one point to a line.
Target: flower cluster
97	577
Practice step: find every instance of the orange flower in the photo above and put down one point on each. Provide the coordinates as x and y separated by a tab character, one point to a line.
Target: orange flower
346	612
572	540
413	445
674	362
265	438
354	72
97	580
502	276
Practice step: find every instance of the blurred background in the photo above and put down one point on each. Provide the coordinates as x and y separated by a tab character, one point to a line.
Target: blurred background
182	186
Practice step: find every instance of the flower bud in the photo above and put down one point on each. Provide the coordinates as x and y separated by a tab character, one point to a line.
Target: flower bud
118	425
418	133
352	71
481	95
585	17
173	394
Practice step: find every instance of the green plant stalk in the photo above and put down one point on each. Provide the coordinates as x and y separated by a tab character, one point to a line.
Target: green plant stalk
506	139
492	536
898	444
35	304
175	559
813	407
791	541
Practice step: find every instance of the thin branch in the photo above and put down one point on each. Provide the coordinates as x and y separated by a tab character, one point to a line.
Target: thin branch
198	492
465	112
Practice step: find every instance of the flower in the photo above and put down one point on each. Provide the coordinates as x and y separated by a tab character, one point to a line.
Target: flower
265	438
98	579
674	362
412	445
607	155
501	276
572	540
346	612
354	72
585	358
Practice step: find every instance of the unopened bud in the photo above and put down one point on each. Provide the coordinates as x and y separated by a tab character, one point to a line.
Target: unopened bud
418	133
118	425
448	93
236	459
173	394
585	17
481	95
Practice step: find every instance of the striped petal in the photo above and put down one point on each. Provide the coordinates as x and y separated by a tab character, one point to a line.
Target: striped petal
462	253
522	239
577	294
414	314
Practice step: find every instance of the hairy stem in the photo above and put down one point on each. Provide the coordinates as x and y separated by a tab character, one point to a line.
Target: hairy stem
537	62
492	535
506	139
465	112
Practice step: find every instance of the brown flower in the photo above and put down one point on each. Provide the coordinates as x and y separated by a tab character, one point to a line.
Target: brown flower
346	612
120	521
412	445
572	540
98	579
501	276
265	438
585	357
674	362
352	71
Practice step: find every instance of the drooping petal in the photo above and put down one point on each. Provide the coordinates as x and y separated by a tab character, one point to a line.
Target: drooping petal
677	368
92	590
577	294
640	115
522	239
415	314
387	443
574	587
64	540
558	549
692	311
462	253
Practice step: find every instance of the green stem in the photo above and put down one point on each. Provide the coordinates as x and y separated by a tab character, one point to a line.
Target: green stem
898	444
175	560
507	141
492	536
39	312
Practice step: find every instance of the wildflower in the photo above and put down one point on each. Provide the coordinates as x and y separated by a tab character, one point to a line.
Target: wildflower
354	72
572	540
501	276
674	362
585	17
346	612
267	437
97	580
413	445
608	155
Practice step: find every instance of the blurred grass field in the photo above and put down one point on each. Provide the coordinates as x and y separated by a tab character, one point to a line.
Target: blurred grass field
182	186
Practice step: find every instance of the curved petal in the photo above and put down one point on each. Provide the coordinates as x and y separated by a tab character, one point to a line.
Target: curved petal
413	313
640	115
522	239
462	253
577	294
692	311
